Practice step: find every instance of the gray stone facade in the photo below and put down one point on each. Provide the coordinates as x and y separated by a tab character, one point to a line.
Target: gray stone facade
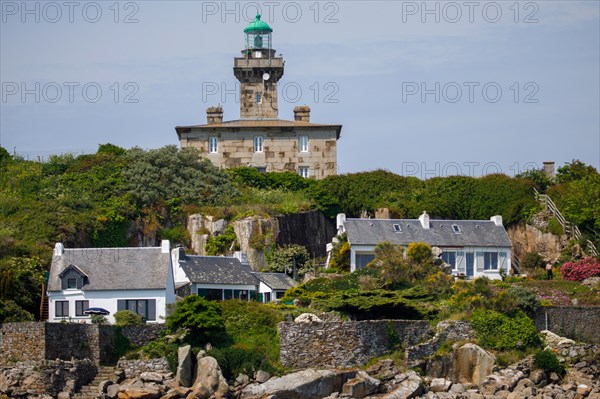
346	343
578	323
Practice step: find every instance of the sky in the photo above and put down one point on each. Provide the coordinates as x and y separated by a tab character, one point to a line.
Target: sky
422	89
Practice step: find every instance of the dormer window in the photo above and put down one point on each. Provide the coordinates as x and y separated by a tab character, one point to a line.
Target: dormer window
71	283
456	229
397	228
73	278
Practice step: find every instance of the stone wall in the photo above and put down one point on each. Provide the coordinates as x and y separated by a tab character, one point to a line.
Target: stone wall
345	344
22	341
141	335
133	368
578	323
37	341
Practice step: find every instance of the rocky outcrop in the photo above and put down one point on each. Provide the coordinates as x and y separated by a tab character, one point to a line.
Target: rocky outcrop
472	364
184	366
201	227
526	238
252	233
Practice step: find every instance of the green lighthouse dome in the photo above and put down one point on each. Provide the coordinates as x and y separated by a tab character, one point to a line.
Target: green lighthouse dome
258	26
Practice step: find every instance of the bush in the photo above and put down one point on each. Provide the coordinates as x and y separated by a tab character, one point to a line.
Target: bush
220	245
98	319
501	332
234	361
548	361
555	227
532	260
418	252
580	270
203	318
128	318
11	312
526	299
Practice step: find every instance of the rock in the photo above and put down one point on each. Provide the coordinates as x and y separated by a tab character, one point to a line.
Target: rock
410	386
149	376
119	376
184	366
439	385
241	380
209	376
553	340
63	395
262	376
538	377
383	370
138	393
583	390
199	392
112	391
591	281
307	318
171	394
104	385
472	364
554	378
360	386
305	384
457	388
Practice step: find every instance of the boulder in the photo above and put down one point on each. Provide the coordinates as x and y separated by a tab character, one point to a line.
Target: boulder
262	376
409	385
439	385
538	377
149	376
553	340
138	393
360	386
63	395
472	364
384	370
184	366
112	391
305	384
307	318
209	377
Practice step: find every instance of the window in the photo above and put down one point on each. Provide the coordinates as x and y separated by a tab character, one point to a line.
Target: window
303	143
279	294
62	309
259	98
80	307
456	229
304	171
397	228
449	258
213	145
490	260
214	294
261	169
144	307
71	283
362	260
267	297
258	144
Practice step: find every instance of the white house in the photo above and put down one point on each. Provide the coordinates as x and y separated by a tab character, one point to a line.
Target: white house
138	279
473	248
272	286
213	277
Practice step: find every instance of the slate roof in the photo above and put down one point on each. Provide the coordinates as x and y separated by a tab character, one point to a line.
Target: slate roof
481	233
259	124
276	281
113	268
216	270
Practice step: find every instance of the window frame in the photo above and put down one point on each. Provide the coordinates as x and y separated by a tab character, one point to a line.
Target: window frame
455	258
213	144
72	280
258	144
62	309
85	305
303	143
397	228
456	229
488	261
304	171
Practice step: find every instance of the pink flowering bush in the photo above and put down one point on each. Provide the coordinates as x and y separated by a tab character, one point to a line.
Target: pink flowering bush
580	270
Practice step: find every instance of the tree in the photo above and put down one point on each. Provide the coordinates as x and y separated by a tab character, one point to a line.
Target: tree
285	259
538	177
200	316
5	157
576	170
165	173
10	312
111	149
392	265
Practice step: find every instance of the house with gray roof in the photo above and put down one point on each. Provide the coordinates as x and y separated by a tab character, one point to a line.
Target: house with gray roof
213	277
139	279
473	248
272	286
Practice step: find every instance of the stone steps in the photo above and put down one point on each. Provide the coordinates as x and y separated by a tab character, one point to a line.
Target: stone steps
90	391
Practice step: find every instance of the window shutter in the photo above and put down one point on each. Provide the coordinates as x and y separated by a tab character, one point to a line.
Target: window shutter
480	261
151	309
460	261
502	261
121	305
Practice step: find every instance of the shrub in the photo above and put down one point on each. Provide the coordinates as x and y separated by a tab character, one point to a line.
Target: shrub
128	318
418	252
580	270
501	332
98	319
11	312
221	244
532	260
555	227
201	317
548	361
526	299
234	361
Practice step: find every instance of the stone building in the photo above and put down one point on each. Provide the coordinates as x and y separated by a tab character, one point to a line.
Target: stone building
260	139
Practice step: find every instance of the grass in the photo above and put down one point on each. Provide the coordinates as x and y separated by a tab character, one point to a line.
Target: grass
559	292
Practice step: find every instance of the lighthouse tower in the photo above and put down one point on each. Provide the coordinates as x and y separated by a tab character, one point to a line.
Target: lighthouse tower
258	70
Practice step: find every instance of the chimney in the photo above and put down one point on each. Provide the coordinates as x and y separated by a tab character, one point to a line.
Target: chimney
549	169
497	220
424	219
339	222
214	115
165	246
59	249
302	113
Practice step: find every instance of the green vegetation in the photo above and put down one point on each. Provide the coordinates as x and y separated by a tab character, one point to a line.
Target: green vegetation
548	361
203	319
128	318
503	332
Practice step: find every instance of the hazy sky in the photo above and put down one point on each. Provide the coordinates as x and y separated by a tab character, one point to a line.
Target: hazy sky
421	88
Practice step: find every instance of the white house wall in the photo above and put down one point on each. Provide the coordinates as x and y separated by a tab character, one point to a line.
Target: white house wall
106	300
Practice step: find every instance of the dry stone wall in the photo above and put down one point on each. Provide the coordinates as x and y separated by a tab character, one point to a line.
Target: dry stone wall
22	341
578	323
346	343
